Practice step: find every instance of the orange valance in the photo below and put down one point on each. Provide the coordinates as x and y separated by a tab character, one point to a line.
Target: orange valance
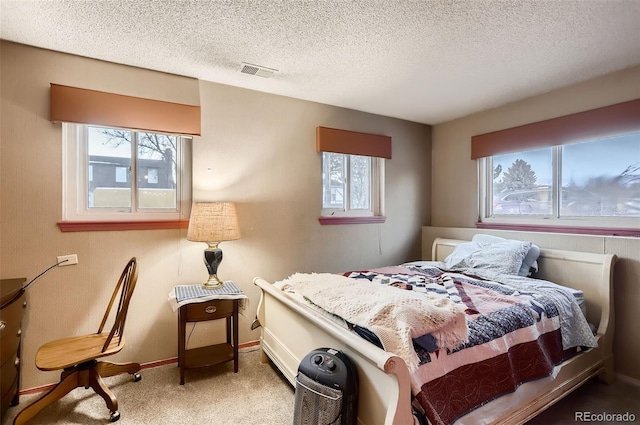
608	121
352	143
83	106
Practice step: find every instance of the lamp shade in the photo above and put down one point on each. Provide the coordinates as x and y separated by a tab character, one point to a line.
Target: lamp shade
213	222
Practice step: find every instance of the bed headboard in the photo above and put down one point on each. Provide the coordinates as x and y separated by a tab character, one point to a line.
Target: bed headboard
589	272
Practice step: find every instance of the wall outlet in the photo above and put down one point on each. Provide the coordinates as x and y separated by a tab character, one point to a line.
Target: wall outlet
68	260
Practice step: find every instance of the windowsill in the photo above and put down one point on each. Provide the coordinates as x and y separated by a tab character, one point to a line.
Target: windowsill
94	226
351	220
600	231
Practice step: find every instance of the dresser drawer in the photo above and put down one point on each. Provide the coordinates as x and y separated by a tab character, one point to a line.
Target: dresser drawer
9	374
10	317
208	310
9	348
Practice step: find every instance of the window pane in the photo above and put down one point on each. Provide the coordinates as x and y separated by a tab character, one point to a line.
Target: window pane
602	178
157	170
333	180
109	165
522	183
152	175
360	182
122	174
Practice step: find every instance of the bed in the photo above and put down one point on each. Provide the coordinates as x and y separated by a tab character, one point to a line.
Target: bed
290	329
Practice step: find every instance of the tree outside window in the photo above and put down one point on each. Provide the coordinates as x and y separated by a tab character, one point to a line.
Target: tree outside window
592	179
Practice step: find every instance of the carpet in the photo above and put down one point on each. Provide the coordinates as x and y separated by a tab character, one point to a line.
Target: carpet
257	395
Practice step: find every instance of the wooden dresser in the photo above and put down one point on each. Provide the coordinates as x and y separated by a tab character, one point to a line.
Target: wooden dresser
11	311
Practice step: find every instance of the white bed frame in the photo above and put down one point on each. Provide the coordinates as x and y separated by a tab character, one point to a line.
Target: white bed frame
290	331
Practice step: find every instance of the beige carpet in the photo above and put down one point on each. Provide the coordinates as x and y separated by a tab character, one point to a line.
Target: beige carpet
257	394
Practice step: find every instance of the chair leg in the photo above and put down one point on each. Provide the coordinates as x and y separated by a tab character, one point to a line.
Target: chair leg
98	385
70	382
106	369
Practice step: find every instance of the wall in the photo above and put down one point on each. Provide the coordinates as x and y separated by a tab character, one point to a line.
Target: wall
256	149
455	185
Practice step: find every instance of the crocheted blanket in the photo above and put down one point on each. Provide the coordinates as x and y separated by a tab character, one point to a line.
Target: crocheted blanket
396	316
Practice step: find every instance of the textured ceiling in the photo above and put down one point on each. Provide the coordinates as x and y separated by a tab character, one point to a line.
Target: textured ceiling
424	61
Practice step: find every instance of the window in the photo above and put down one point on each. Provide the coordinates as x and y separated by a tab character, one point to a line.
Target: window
152	176
113	174
351	185
594	184
122	173
352	175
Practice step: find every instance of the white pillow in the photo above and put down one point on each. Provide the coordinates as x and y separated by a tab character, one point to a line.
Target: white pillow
499	257
530	262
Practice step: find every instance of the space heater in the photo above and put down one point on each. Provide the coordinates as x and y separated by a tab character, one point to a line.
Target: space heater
326	389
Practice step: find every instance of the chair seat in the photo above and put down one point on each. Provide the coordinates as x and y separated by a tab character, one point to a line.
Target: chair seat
68	352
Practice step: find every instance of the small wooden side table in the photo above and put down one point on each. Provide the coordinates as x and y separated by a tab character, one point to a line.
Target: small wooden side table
211	305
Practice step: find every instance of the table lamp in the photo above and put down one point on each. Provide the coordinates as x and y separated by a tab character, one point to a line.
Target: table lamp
213	222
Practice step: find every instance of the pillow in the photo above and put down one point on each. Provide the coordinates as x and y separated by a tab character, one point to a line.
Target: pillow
499	257
460	252
530	262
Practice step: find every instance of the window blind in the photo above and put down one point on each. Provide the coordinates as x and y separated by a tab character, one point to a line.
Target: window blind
608	121
83	106
352	143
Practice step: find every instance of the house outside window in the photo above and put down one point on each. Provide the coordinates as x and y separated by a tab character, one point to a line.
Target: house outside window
121	174
594	183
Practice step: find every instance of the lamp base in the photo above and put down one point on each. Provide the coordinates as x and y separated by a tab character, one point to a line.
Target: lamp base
213	282
212	259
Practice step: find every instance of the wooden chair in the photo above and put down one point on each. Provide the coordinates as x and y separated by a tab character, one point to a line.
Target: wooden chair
77	356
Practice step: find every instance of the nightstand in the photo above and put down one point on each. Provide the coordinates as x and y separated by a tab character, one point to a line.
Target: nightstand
198	304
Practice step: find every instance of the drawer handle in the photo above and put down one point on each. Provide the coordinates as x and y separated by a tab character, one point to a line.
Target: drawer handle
3	325
210	309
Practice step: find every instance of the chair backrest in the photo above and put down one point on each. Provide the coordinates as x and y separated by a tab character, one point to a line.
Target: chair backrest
126	285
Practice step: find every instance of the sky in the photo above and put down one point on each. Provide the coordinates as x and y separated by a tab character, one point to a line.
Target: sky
581	161
98	145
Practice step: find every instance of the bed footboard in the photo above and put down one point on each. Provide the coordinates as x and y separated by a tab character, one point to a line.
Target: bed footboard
290	331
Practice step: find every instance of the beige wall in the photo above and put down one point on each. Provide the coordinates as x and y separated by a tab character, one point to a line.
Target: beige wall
256	149
455	182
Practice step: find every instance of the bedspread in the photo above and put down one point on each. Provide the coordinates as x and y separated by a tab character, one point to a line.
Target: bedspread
516	334
518	329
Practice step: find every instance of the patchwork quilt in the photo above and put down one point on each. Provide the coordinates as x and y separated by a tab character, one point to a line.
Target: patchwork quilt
518	330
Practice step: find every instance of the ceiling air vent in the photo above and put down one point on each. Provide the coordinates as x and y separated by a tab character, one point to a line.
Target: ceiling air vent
260	71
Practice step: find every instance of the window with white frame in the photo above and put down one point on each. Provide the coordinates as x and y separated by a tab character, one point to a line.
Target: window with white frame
352	185
116	174
594	183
